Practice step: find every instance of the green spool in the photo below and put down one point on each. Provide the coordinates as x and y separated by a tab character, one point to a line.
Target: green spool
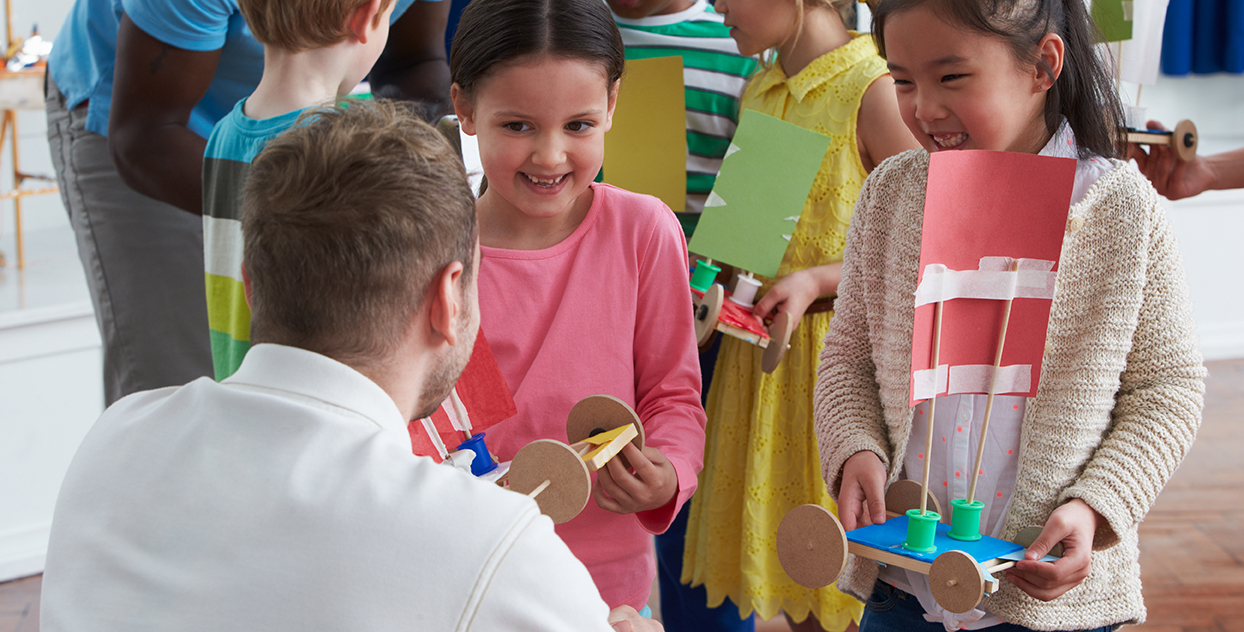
965	519
920	531
703	276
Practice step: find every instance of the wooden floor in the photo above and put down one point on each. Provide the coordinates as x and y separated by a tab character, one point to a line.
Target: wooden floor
1192	543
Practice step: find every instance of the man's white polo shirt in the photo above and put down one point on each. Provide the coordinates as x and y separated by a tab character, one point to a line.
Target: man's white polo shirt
287	498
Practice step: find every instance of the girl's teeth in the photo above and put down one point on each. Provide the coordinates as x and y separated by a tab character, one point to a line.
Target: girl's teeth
950	141
545	183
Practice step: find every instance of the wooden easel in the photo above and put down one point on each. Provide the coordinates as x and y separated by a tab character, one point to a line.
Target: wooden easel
19	90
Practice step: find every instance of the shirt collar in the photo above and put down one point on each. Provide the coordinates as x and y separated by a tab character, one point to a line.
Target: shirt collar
823	69
1062	144
314	376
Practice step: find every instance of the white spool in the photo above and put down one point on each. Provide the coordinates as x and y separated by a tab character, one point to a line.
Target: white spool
745	290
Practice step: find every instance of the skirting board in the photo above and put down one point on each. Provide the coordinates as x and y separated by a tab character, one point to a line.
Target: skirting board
1222	341
22	553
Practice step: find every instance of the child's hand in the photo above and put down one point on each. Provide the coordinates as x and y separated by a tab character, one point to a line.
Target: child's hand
1073	524
861	501
794	292
651	486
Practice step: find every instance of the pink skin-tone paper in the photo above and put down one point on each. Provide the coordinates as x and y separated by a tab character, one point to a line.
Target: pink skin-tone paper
989	204
485	395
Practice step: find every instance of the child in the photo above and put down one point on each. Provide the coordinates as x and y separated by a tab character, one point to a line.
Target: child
1122	382
759	461
714	74
583	287
313	55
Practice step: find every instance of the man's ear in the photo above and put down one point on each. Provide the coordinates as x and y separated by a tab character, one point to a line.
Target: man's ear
364	19
1052	51
613	104
445	307
463	108
246	286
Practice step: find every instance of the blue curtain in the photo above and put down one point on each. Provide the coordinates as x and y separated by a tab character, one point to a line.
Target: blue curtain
1203	36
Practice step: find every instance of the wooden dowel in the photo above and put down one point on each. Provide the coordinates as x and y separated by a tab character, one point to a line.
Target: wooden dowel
536	492
928	440
993	386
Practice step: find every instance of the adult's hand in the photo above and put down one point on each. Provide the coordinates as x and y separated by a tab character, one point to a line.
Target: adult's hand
414	65
155	87
1171	176
625	619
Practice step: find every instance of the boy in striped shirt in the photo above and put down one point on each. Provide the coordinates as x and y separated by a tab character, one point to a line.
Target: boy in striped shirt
714	75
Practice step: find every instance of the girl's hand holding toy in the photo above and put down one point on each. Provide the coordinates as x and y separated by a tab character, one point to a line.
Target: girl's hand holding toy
1073	526
861	501
651	485
793	293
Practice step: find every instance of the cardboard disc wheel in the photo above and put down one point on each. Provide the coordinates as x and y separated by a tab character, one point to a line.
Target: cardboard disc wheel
1184	140
779	338
601	413
570	485
812	546
956	581
905	494
707	311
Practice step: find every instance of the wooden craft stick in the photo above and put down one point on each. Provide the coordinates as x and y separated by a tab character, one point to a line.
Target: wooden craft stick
993	386
539	488
928	440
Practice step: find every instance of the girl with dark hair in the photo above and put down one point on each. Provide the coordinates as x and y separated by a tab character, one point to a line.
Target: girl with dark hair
1122	382
582	286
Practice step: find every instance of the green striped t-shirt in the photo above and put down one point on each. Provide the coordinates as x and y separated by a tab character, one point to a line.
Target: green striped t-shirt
714	74
234	143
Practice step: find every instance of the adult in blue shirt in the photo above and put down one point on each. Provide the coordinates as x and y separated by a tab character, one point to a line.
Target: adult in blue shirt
134	88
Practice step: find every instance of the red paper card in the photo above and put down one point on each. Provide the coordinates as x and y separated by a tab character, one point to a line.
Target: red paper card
983	209
485	395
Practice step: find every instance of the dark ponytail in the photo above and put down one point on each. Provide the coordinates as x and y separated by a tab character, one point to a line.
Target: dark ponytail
493	32
1084	92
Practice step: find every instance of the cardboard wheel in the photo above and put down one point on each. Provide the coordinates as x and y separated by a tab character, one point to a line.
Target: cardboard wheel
812	546
707	311
956	581
570	485
779	338
1184	140
904	495
601	413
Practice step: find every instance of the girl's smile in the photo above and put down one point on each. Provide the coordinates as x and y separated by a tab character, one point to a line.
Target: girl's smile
541	124
961	89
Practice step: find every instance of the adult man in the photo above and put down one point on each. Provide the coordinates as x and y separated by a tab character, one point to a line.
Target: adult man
134	89
286	497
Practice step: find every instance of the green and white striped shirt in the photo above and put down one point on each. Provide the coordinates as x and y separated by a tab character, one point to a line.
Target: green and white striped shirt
714	74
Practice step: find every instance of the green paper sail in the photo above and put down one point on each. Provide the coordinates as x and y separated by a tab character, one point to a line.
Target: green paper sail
1114	19
760	192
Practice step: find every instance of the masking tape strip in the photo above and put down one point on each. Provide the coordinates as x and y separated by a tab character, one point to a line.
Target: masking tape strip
430	428
972	378
994	280
458	415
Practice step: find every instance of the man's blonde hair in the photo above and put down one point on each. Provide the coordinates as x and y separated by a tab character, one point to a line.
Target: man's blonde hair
347	218
303	24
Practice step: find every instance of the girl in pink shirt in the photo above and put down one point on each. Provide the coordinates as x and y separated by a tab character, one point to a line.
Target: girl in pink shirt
583	286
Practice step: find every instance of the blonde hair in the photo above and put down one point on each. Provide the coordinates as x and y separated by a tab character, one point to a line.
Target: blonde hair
305	24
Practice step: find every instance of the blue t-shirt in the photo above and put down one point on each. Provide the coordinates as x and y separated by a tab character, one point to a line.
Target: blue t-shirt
85	51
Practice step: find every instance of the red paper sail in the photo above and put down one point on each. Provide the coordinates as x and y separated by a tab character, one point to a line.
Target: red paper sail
984	210
484	394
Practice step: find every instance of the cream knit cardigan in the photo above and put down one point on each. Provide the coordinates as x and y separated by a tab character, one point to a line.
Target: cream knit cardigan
1121	388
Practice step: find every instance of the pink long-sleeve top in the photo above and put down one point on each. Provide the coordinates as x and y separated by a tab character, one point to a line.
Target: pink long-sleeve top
607	310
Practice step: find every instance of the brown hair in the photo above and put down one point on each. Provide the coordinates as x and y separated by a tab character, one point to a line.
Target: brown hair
304	24
1084	93
494	32
346	219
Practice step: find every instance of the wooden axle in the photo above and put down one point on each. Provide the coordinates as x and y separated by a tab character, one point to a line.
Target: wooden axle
1183	139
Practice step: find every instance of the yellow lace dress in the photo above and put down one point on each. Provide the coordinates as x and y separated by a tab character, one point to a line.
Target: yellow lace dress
761	456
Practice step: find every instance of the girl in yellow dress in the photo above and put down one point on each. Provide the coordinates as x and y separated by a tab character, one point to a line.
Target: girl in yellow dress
761	456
